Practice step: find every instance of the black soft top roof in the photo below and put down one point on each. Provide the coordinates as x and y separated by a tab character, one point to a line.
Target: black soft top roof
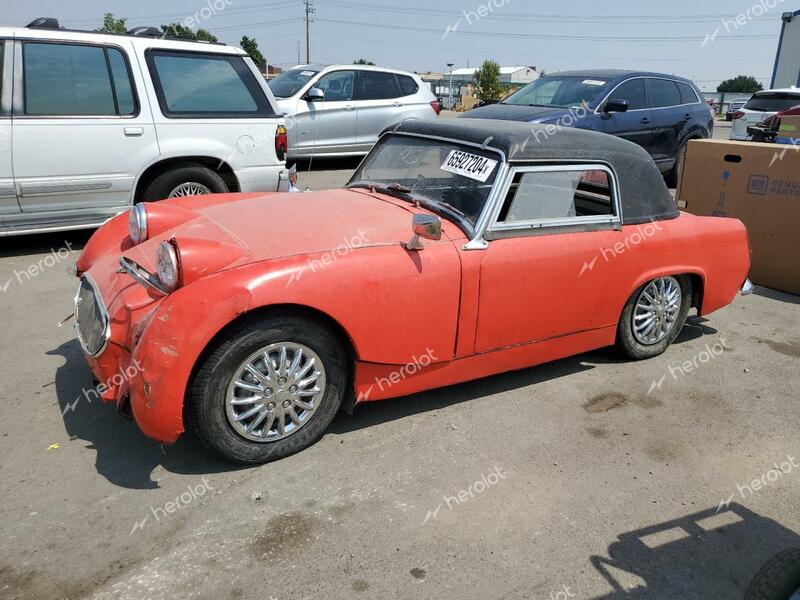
644	195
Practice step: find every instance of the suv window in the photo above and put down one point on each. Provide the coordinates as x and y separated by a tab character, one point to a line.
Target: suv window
76	80
632	91
338	86
688	95
408	86
772	101
373	85
194	84
663	93
548	195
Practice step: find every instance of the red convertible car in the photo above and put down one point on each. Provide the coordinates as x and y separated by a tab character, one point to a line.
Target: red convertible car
459	249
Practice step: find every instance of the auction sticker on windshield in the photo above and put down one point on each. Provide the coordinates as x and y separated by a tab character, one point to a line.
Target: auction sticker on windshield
469	165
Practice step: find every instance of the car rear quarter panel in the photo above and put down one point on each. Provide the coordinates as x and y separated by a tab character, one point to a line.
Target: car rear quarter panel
391	303
714	249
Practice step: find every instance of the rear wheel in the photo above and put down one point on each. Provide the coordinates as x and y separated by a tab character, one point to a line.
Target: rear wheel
185	180
654	316
779	579
673	178
269	389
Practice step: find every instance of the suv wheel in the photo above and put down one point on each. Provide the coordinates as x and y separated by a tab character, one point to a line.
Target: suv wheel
185	180
674	176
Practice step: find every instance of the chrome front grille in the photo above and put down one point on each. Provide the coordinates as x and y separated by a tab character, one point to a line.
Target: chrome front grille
91	318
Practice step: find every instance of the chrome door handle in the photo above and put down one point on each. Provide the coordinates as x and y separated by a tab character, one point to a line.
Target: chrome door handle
396	104
349	107
134	131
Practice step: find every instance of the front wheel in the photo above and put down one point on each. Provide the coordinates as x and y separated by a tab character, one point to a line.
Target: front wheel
270	388
654	316
779	579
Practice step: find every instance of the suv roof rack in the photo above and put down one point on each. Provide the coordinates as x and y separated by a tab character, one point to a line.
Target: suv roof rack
44	23
153	32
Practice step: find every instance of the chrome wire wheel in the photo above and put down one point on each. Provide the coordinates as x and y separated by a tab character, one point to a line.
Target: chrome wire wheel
275	391
657	309
189	188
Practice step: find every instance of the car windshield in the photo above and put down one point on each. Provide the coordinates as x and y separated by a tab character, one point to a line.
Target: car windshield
444	176
772	101
288	83
560	92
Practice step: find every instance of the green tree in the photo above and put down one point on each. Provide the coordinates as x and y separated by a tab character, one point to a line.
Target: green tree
741	83
363	61
250	46
176	30
203	35
487	82
112	25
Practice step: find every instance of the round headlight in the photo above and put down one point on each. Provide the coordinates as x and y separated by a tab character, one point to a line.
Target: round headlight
167	266
137	224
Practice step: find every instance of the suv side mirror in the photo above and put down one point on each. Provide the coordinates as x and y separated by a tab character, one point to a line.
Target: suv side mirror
314	95
616	105
428	227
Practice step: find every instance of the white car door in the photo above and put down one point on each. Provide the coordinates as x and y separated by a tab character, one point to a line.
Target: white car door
329	125
8	194
380	104
82	129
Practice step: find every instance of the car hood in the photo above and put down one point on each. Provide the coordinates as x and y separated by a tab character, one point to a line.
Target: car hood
515	112
253	227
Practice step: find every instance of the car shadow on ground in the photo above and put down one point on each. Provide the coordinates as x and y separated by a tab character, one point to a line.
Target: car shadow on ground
707	554
776	295
124	455
42	243
127	458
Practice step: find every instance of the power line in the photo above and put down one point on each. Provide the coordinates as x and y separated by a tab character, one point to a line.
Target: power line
594	38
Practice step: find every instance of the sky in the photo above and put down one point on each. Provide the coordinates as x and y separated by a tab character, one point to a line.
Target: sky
691	38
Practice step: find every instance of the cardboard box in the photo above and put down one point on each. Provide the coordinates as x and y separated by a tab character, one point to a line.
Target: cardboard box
758	184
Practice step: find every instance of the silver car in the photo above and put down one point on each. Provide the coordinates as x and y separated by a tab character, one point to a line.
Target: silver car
340	110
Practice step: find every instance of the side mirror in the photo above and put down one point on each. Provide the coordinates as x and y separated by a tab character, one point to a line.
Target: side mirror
424	226
616	105
314	95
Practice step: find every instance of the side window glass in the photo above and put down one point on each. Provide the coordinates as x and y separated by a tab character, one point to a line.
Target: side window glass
663	93
688	95
549	195
408	86
338	86
66	79
377	86
633	92
122	82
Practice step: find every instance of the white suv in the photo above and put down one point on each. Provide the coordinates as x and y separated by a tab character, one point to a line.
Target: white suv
92	123
340	110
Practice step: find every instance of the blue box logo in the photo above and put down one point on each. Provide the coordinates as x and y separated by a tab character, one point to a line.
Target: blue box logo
758	184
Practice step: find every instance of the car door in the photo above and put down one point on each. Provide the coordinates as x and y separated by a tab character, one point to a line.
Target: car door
81	135
669	119
540	277
380	105
635	125
328	125
8	194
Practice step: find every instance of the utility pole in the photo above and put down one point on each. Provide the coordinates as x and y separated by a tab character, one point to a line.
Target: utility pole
309	9
450	88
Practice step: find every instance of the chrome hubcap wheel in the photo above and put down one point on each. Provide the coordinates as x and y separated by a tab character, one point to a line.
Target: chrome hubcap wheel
190	188
656	311
275	391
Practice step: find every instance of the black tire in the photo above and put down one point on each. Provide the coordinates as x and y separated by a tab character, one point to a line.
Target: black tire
207	408
626	340
163	185
779	579
673	177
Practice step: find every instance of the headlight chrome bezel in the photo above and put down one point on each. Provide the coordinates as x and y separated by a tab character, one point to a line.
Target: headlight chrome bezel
168	266
137	224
